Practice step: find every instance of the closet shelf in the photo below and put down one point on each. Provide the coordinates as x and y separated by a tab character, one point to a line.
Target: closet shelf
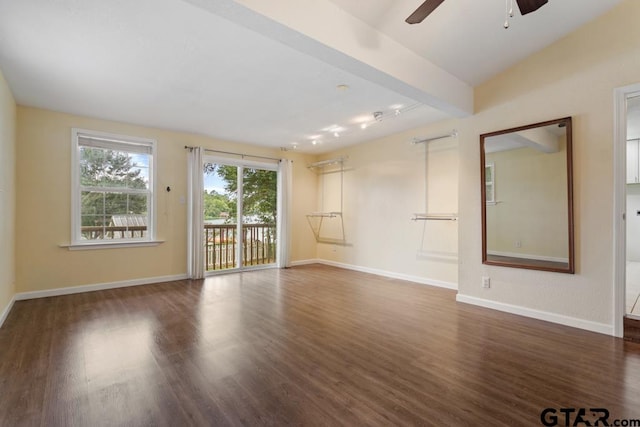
315	221
434	217
329	162
324	214
333	222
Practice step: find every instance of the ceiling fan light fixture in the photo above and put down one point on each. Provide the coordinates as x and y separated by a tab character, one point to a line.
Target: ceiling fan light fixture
423	11
428	6
508	5
528	6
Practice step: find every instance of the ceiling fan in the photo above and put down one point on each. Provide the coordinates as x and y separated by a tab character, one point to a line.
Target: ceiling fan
425	9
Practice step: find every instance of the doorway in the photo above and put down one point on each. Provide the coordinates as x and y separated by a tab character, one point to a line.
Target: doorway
240	214
632	265
626	208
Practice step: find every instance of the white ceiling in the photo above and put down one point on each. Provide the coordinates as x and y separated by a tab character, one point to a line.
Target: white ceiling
173	65
467	37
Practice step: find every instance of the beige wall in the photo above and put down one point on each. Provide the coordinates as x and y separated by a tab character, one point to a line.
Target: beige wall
532	209
43	205
384	185
7	194
573	77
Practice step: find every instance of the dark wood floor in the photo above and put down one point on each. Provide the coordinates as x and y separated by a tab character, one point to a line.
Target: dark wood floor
311	345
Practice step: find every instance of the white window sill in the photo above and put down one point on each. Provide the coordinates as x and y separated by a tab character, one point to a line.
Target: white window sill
110	245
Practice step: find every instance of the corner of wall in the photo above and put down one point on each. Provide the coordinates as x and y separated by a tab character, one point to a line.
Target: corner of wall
8	146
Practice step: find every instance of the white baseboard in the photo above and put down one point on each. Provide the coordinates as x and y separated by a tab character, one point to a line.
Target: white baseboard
7	309
574	322
96	287
384	273
305	262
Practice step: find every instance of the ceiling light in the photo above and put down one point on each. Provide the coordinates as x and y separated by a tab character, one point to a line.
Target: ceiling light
397	112
314	142
364	125
332	128
508	12
336	134
342	87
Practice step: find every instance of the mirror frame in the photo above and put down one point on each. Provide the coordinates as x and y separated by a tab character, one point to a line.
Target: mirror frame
532	266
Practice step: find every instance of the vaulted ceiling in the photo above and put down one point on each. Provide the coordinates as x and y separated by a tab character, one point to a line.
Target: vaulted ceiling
269	73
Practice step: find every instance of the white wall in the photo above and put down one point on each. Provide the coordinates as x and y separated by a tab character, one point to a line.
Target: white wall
574	77
384	185
7	195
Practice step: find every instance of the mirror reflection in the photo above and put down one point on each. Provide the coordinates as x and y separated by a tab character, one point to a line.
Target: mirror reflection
527	197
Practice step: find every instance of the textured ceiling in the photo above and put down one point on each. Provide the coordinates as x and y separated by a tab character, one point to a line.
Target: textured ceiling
170	64
467	38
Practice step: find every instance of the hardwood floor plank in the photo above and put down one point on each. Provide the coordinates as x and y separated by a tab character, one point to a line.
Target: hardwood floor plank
311	345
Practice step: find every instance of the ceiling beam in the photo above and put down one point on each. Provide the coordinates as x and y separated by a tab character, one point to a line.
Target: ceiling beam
321	29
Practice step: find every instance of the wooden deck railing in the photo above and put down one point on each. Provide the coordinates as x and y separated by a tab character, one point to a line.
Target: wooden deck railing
99	232
258	245
258	242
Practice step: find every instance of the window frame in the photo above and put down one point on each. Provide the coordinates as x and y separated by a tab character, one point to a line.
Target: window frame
490	200
76	199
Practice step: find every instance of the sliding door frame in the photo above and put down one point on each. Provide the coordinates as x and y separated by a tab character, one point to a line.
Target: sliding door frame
241	164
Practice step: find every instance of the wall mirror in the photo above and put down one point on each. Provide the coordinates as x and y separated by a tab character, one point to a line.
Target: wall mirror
527	197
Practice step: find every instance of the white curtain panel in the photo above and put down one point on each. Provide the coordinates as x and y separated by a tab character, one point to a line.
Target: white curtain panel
195	252
285	185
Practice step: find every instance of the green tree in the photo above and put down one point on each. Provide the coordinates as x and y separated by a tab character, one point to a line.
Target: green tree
259	190
107	171
215	204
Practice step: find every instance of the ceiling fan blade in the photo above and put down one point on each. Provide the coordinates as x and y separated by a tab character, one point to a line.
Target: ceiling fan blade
423	11
528	6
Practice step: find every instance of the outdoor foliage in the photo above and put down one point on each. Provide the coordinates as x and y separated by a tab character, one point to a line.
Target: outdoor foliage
259	191
109	171
216	205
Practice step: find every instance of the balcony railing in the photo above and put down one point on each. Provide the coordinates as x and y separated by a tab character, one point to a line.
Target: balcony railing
220	242
99	232
258	245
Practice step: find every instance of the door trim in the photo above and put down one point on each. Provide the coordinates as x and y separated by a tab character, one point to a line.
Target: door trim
620	203
241	164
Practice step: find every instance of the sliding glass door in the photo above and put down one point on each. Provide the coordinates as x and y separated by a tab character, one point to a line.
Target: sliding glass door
240	211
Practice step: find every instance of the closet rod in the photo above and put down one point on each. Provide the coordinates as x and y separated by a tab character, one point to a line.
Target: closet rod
434	217
327	162
453	134
633	139
234	154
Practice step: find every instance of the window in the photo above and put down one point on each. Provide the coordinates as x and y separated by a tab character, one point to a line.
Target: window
489	183
112	192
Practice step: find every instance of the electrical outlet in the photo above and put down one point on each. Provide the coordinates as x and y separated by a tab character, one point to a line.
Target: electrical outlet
486	282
